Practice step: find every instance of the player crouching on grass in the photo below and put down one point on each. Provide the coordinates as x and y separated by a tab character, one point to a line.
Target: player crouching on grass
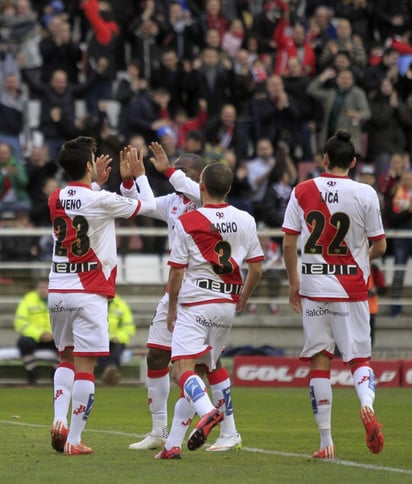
341	232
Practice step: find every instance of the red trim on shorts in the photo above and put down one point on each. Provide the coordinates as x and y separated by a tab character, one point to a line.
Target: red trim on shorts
191	357
326	353
83	375
65	348
358	363
159	347
66	364
157	373
182	380
217	376
319	374
90	353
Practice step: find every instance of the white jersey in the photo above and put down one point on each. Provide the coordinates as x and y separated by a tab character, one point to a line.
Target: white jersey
83	220
335	217
212	243
170	207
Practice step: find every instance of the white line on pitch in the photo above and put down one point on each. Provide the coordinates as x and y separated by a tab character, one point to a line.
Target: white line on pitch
347	463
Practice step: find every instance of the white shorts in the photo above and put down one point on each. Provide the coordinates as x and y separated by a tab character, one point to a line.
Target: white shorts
201	332
159	336
79	320
343	323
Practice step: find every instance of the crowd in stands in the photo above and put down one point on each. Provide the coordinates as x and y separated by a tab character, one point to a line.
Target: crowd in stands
259	85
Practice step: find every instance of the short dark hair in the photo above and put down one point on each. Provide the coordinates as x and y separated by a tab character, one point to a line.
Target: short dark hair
217	178
195	161
75	154
340	149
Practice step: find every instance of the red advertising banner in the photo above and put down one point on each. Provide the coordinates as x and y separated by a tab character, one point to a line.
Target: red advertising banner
406	376
265	371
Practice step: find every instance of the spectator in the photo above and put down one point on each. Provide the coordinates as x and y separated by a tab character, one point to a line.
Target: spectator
57	114
179	31
59	51
121	329
391	16
239	195
127	87
148	111
297	45
213	18
399	216
18	248
171	76
359	14
276	114
168	139
32	323
264	24
22	31
13	114
214	80
39	167
258	172
319	166
184	124
101	51
386	128
222	132
194	143
346	43
296	83
345	106
143	45
13	182
387	67
233	37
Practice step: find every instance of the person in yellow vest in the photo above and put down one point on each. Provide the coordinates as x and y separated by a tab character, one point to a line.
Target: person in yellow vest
32	323
121	329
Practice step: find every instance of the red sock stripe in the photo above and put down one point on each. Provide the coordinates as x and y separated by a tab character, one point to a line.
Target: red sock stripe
359	364
157	373
320	374
82	375
184	377
66	364
217	376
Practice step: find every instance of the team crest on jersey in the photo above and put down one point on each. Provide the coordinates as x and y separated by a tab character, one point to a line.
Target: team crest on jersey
331	183
71	192
220	214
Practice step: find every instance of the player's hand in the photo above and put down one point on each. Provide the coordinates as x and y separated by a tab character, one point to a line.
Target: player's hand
103	169
46	337
135	158
171	320
125	170
160	159
295	301
241	304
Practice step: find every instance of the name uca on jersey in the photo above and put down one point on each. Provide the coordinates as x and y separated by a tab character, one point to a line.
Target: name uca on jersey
223	227
329	197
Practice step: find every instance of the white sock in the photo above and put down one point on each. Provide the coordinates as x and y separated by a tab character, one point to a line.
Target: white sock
158	388
195	390
220	386
321	398
82	403
63	384
364	382
182	418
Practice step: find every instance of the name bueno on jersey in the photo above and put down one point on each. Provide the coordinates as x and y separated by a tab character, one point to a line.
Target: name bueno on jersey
335	217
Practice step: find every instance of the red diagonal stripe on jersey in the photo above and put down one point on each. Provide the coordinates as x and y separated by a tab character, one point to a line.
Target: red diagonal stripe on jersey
309	199
206	237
